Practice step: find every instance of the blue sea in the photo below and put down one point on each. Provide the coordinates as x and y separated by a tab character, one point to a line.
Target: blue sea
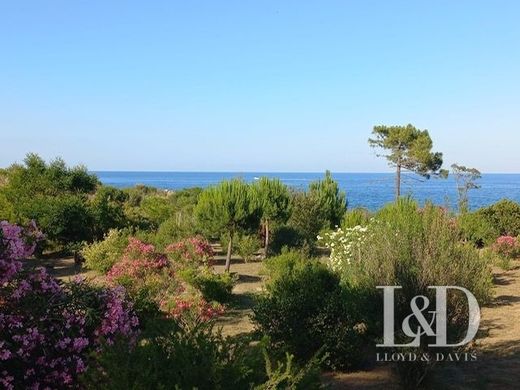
370	190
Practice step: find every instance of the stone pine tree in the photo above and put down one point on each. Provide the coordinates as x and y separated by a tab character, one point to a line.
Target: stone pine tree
273	199
331	199
466	179
227	208
407	149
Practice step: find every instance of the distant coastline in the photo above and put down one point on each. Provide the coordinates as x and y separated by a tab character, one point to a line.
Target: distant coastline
369	190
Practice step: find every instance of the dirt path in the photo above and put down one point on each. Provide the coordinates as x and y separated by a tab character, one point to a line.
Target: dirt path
498	365
236	319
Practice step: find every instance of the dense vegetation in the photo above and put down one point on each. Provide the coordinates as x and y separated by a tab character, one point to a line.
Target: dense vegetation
412	247
72	208
151	315
306	310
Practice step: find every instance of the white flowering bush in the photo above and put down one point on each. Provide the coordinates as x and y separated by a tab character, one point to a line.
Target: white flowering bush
345	245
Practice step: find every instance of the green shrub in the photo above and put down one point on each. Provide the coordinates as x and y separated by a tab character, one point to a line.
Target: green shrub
247	246
216	287
284	236
306	310
504	216
107	209
7	212
169	231
415	248
145	235
171	213
355	217
287	375
307	218
54	195
243	245
213	287
495	259
64	219
288	262
102	255
476	228
137	194
173	356
136	220
157	208
173	229
332	201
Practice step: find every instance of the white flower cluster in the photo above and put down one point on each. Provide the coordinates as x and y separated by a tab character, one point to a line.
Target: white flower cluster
345	245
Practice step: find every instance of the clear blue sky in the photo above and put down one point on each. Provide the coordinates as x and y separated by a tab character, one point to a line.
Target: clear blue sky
257	85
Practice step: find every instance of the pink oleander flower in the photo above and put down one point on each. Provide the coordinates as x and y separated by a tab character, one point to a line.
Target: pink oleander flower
195	250
139	259
135	268
507	246
138	248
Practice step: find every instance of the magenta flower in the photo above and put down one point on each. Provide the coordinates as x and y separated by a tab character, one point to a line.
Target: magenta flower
46	329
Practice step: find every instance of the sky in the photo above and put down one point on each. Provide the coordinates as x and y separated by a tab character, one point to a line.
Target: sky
257	85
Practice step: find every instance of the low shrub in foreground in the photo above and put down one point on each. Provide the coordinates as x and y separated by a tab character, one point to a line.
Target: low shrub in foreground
305	310
173	355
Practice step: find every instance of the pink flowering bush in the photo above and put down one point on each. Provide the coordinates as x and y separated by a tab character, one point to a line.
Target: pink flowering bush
48	329
194	258
194	250
159	286
148	276
507	247
139	259
16	243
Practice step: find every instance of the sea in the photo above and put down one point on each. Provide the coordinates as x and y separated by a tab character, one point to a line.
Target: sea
368	190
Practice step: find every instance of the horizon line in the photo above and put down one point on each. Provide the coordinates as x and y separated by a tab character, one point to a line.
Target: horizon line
261	171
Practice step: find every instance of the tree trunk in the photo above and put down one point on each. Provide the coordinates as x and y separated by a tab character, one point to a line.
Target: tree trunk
266	237
228	256
398	182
